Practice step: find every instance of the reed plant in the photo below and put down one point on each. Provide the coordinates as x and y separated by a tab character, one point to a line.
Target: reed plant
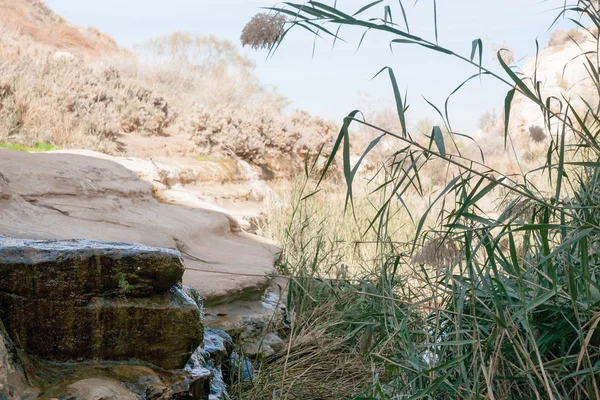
473	305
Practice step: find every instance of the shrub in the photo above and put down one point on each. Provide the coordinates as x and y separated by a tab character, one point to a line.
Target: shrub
182	84
260	134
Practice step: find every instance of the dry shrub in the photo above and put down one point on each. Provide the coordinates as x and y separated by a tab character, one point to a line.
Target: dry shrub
561	38
202	72
180	84
68	102
145	113
257	134
207	55
486	120
507	54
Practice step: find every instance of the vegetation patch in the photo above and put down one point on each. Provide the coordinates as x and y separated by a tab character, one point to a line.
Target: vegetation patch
37	147
481	283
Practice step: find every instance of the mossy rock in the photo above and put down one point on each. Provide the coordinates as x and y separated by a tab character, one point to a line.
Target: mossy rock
84	269
163	329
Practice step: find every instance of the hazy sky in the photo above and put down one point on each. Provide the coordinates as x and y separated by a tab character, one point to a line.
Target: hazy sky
335	82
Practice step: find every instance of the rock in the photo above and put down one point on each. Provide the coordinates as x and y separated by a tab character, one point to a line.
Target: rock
163	329
196	387
66	196
218	345
213	359
96	388
82	269
253	323
13	384
97	381
96	307
266	346
63	55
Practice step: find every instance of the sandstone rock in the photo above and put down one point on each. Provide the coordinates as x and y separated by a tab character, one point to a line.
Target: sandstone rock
65	196
128	382
82	269
163	329
105	389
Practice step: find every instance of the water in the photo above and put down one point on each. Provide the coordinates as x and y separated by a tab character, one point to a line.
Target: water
215	358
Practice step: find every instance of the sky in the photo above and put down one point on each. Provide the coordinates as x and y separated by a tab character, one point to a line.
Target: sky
336	81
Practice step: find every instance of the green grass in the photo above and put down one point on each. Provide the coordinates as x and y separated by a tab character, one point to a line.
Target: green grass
471	306
38	147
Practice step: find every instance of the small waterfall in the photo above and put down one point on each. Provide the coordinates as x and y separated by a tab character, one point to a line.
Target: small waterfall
259	187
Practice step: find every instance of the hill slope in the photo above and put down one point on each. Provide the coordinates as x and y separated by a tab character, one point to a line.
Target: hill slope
33	20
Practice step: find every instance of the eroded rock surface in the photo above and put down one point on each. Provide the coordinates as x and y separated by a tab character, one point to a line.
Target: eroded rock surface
162	329
65	196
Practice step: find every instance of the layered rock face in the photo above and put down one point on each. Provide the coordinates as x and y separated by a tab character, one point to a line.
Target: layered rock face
70	291
84	300
65	196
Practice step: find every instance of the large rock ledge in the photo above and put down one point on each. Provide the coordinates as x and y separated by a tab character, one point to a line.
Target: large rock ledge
73	301
162	329
65	196
85	269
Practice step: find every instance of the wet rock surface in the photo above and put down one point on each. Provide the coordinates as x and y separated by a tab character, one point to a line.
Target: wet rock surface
70	301
218	358
49	269
163	329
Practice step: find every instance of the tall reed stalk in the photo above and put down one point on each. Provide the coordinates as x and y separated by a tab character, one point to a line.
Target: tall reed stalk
504	307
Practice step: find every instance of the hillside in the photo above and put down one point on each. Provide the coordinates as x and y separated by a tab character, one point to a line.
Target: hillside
33	22
562	74
179	96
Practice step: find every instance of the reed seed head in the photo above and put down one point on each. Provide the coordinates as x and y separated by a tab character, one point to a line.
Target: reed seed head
263	31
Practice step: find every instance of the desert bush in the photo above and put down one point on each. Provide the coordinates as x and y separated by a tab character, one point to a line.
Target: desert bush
71	102
259	134
560	38
487	120
202	71
181	84
516	313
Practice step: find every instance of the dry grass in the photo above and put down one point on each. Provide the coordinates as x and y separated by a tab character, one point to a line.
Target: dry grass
314	365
